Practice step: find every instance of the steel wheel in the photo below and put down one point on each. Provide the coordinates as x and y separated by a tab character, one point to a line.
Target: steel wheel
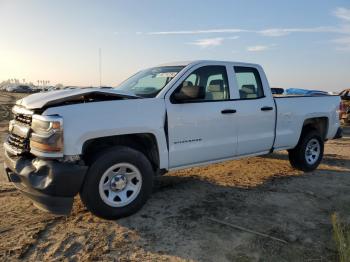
120	184
312	152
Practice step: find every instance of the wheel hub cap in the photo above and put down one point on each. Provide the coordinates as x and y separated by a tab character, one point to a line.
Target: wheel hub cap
312	152
118	182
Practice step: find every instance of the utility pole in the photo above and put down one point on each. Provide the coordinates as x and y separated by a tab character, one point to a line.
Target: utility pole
100	64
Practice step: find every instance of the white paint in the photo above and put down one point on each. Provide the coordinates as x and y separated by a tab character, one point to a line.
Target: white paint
212	136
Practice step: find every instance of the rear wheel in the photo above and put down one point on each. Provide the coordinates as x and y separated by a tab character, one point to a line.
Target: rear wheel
307	155
118	183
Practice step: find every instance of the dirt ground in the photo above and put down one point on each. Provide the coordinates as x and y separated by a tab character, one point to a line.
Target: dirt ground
263	194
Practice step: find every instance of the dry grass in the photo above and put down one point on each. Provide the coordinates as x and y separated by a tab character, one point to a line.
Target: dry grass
341	235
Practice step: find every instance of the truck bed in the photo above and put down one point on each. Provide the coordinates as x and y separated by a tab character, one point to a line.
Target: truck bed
293	109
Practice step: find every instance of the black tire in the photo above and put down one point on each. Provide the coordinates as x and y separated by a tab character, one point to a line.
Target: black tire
90	195
297	157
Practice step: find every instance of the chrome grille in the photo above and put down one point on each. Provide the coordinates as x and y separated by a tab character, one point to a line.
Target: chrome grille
18	140
18	143
24	119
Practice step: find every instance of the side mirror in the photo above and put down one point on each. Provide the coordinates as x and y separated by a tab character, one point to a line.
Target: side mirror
189	93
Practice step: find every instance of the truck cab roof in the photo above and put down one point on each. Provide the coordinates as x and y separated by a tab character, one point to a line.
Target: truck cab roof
194	62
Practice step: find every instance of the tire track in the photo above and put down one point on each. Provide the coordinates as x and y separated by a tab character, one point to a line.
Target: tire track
40	236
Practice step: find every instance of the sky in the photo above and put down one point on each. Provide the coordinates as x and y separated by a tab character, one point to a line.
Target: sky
300	44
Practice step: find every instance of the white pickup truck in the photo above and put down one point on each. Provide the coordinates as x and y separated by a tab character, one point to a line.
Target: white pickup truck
109	144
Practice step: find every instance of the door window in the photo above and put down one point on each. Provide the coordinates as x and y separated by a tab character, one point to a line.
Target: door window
249	82
208	83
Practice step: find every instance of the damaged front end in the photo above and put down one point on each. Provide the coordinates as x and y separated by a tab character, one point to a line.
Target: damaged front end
51	184
35	161
42	101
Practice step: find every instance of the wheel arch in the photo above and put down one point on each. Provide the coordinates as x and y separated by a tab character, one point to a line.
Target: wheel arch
146	143
320	124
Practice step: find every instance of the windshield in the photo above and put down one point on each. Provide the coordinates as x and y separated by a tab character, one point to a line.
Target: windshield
149	82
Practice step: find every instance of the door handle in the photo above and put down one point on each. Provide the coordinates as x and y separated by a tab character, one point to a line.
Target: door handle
266	108
228	111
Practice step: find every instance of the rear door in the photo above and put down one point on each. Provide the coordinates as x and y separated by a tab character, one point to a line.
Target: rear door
255	111
204	129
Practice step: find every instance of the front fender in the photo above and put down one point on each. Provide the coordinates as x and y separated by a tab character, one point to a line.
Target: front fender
83	122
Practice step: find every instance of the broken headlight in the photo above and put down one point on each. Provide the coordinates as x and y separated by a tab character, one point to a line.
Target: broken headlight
47	136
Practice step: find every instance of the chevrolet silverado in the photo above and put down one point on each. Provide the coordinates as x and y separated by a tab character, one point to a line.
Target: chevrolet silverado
108	144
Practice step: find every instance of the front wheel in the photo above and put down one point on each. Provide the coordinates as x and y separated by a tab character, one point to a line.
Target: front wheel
118	183
307	155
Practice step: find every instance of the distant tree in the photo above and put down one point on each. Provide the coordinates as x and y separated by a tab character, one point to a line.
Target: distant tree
59	86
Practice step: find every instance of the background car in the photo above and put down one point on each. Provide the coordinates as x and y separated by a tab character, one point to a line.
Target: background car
23	89
20	89
277	91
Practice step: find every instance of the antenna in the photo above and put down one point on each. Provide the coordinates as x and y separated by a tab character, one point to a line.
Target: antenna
100	64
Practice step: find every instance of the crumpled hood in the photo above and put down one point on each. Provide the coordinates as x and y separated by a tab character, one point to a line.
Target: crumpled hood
69	96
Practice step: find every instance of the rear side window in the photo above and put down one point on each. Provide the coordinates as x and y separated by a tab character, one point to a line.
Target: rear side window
248	82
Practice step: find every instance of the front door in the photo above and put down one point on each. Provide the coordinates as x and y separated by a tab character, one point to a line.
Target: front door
202	129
